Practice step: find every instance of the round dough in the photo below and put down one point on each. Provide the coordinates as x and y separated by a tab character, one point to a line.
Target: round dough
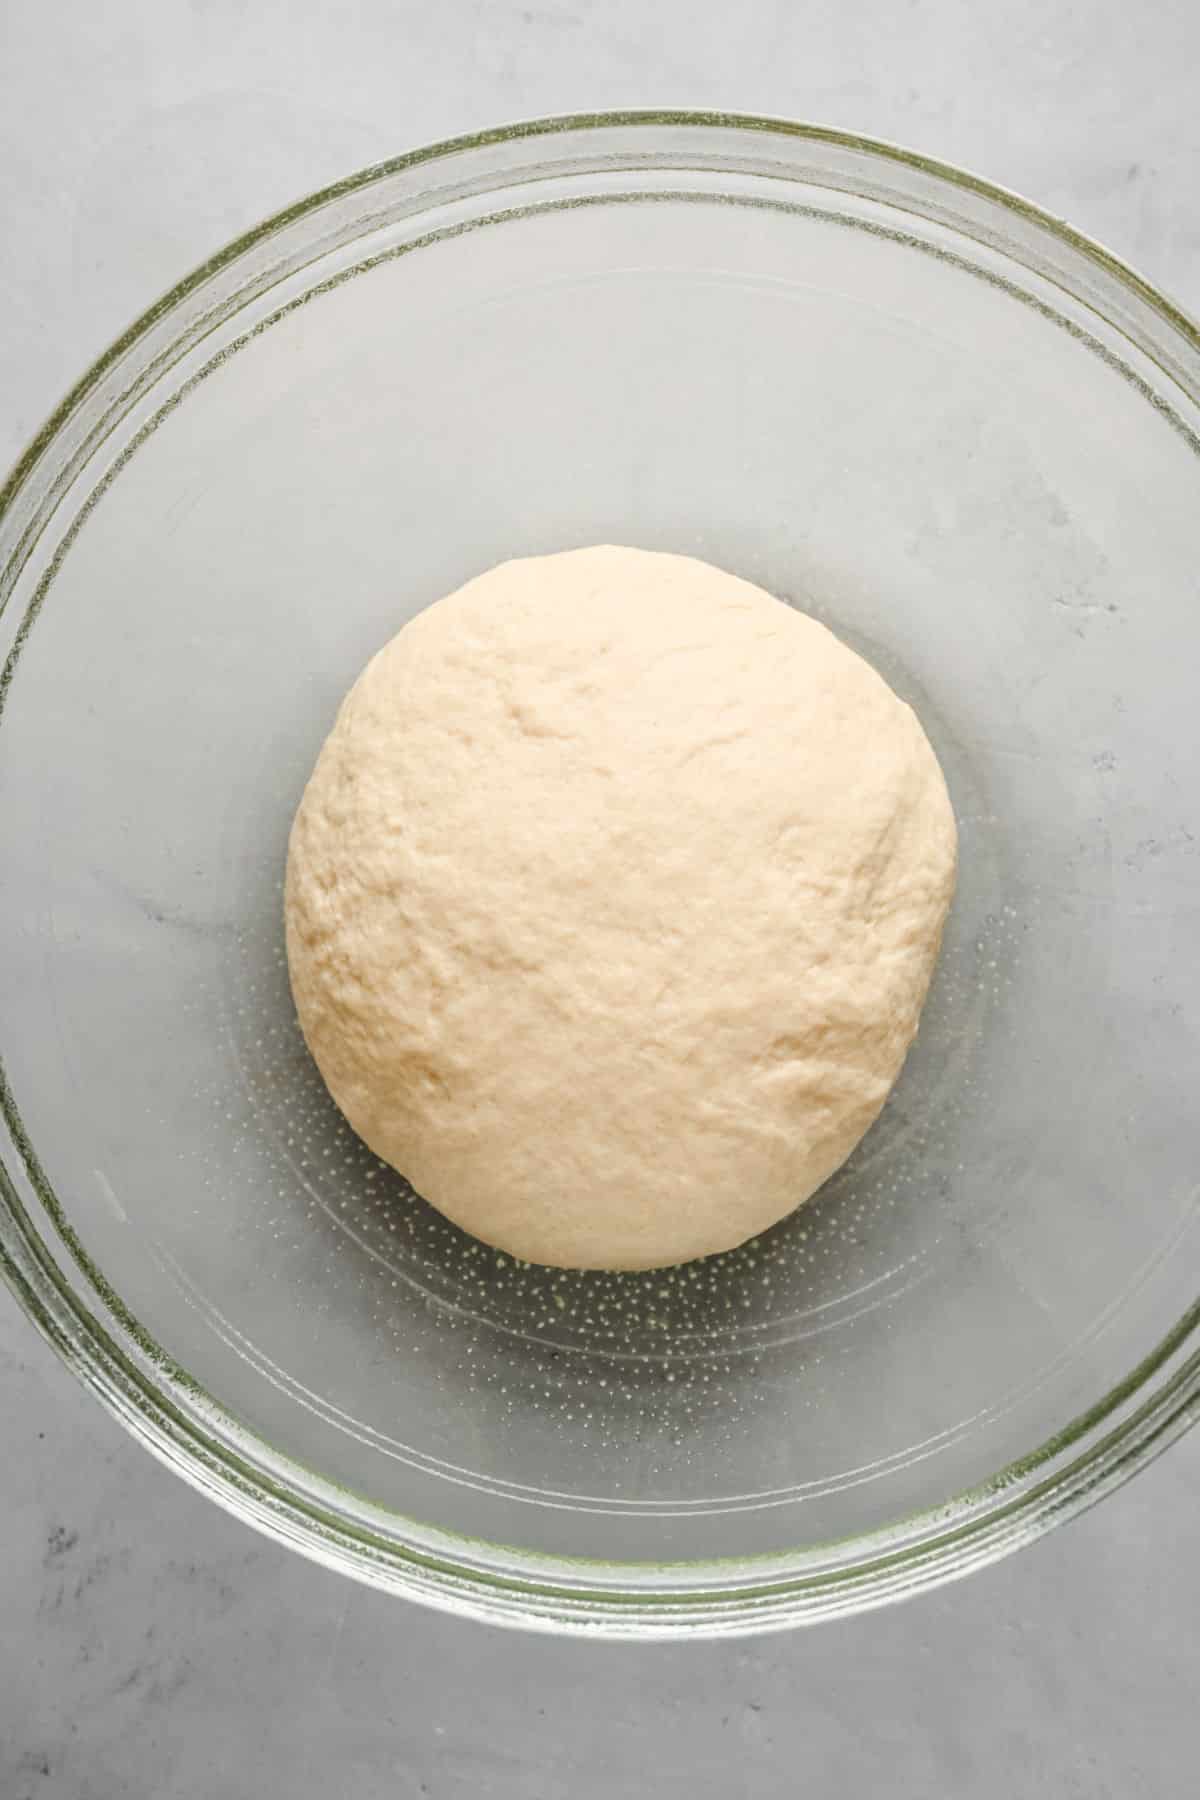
612	903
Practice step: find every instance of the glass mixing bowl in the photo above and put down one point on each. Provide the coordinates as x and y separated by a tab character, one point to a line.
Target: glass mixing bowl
897	397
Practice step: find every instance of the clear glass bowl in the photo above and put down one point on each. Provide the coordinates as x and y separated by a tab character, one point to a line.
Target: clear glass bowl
899	397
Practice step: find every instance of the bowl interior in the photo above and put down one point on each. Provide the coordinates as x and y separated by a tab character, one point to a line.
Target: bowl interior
979	476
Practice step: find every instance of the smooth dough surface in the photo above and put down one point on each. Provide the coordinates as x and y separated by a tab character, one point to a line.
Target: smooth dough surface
612	903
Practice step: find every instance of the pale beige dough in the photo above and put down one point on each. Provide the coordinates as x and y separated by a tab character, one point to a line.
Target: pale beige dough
612	903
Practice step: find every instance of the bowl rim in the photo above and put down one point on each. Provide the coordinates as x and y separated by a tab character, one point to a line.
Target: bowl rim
165	1409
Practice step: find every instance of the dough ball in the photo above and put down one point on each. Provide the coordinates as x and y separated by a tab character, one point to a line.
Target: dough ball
612	903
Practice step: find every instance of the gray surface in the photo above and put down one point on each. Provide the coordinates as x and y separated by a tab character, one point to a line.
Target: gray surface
151	1646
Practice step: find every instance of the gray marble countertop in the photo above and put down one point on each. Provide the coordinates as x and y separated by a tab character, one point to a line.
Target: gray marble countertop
151	1646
